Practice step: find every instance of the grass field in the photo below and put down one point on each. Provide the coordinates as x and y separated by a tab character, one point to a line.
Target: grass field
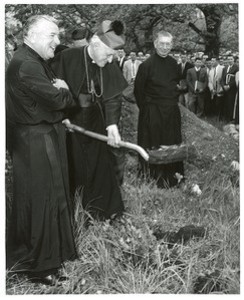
135	255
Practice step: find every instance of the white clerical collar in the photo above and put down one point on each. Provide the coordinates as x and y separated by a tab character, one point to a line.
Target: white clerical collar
89	53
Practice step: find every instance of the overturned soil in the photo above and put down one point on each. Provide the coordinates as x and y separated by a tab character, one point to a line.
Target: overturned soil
214	147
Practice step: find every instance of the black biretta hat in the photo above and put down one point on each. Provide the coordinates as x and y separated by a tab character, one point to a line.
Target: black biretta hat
111	33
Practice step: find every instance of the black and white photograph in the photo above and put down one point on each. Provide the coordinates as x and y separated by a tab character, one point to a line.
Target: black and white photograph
121	148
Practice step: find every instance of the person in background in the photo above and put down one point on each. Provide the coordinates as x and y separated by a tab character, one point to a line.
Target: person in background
216	89
60	48
208	109
184	66
121	58
221	60
80	37
229	86
204	60
176	56
96	83
208	65
192	59
131	67
147	55
224	61
236	105
119	154
157	95
197	81
39	237
140	56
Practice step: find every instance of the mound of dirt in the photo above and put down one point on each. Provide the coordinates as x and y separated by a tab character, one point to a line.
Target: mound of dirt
129	121
210	142
214	147
216	150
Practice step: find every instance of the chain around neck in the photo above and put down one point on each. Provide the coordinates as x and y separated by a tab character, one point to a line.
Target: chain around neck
90	83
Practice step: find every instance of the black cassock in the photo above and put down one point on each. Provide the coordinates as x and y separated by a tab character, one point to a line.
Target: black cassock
39	236
91	161
159	115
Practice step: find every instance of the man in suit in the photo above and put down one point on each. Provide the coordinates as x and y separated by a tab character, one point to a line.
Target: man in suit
208	109
121	58
184	66
204	60
192	59
131	67
208	65
215	87
229	86
140	56
197	81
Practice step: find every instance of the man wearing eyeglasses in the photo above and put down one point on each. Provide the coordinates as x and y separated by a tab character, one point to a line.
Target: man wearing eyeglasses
157	92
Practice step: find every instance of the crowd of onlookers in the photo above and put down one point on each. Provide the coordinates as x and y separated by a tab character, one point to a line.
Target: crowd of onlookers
208	86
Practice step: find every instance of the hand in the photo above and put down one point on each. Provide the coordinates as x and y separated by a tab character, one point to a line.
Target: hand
113	136
59	83
67	122
213	93
226	87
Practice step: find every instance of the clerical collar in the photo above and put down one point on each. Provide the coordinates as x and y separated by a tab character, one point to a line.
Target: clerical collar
161	56
89	57
31	50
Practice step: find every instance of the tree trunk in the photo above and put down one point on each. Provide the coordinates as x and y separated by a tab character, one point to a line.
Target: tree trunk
213	18
211	36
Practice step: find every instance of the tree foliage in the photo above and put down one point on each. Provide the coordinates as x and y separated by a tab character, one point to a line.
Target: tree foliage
196	27
214	14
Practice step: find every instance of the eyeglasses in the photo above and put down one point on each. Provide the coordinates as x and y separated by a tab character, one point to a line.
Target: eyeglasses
164	45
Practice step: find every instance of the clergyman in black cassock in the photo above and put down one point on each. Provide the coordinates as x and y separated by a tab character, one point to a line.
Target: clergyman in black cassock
39	235
157	95
97	87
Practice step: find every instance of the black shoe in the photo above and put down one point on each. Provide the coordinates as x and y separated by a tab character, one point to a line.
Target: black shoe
47	280
60	278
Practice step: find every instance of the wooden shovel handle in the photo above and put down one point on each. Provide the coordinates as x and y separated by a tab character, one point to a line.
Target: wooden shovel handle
104	138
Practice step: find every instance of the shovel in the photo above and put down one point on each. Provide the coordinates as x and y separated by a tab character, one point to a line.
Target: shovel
162	155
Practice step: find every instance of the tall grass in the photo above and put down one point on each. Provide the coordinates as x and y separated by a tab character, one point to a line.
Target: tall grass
124	256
